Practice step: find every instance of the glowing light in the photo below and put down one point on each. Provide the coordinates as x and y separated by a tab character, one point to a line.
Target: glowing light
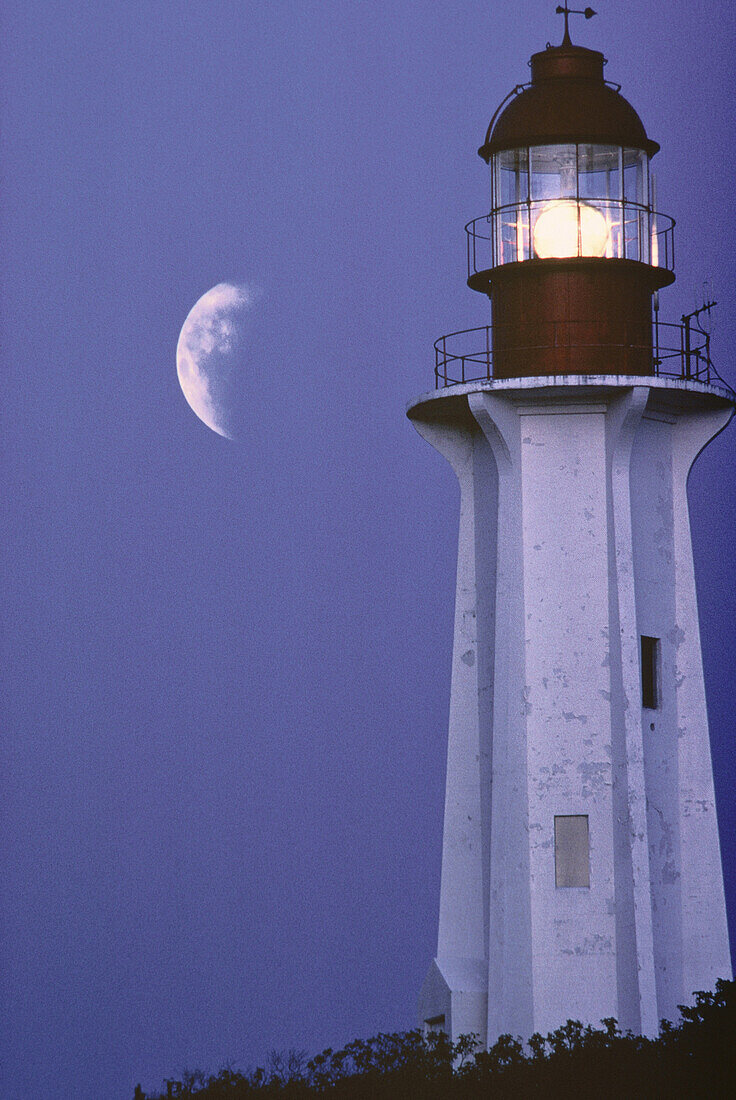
567	228
519	238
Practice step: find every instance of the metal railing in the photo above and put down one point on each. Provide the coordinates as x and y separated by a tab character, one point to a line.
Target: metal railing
631	232
673	351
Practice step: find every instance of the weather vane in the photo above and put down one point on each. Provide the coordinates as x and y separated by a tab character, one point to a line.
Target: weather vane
567	12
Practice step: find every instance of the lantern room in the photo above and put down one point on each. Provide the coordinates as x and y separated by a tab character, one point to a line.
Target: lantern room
560	201
573	248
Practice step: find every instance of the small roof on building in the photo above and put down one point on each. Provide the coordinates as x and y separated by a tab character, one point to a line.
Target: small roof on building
567	102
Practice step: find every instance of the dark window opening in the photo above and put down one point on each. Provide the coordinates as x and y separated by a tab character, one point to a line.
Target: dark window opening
434	1023
649	672
572	850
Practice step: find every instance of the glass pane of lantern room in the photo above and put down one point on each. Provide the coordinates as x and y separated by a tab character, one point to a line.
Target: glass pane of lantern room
598	172
636	223
635	165
511	177
553	171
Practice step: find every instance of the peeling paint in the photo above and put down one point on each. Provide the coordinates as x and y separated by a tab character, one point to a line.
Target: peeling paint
669	874
591	945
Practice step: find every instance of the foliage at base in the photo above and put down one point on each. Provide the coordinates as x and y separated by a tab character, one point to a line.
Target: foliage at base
695	1058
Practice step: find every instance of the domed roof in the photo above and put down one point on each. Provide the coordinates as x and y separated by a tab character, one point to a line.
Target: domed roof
568	101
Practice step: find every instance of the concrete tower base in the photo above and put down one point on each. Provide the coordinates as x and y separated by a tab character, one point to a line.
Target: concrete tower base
574	544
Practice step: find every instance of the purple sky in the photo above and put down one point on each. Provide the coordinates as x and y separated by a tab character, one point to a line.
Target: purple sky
226	667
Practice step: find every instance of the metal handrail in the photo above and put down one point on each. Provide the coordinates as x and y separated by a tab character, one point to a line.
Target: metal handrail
652	226
516	91
459	355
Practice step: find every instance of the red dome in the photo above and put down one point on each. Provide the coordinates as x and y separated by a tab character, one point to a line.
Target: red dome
568	101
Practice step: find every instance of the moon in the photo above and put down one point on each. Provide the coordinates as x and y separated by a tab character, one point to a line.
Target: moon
209	354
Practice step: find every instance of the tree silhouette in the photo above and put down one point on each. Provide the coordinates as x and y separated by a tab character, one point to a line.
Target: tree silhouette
694	1058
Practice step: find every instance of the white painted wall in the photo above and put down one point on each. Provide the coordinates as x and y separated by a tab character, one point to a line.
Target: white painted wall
574	541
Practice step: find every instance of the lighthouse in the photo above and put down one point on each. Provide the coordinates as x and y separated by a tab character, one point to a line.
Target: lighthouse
581	871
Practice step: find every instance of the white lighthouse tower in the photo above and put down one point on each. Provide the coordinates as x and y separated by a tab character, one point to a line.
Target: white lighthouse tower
581	871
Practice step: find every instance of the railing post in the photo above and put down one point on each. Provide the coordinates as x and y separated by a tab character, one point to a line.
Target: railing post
686	323
488	353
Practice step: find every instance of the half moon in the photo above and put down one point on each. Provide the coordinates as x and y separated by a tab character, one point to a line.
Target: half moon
205	352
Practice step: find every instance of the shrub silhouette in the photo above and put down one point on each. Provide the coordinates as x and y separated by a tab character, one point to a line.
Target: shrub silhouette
694	1058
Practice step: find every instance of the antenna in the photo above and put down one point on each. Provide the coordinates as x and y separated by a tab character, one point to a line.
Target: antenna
701	311
567	12
706	296
688	352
